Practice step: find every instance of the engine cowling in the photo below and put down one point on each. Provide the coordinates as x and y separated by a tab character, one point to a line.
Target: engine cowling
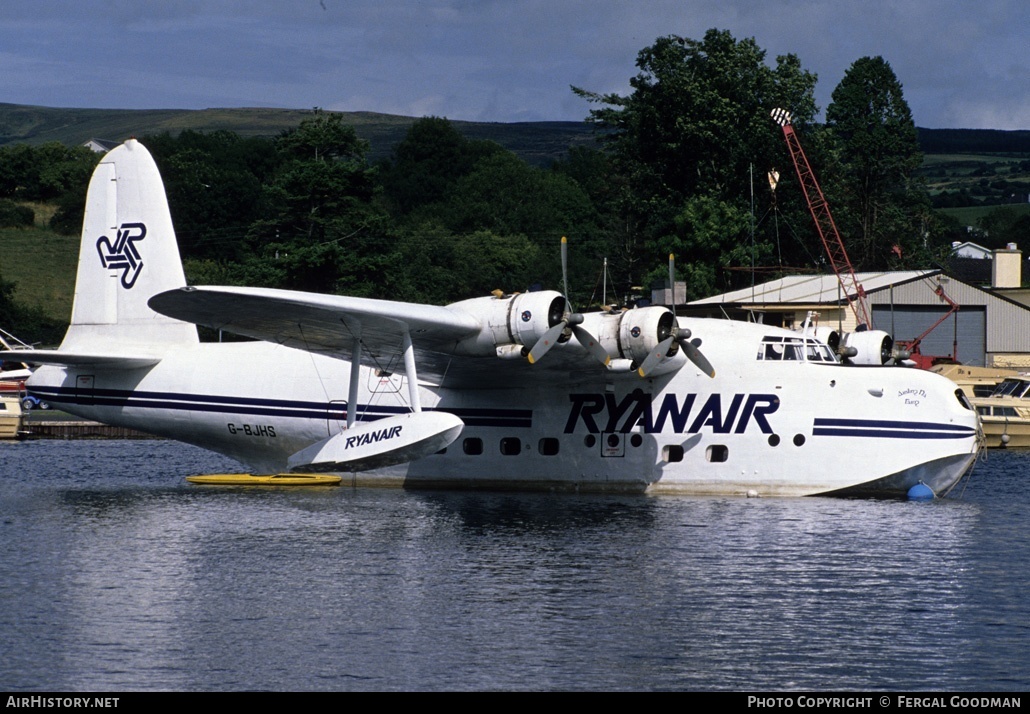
510	322
632	334
830	337
871	347
641	330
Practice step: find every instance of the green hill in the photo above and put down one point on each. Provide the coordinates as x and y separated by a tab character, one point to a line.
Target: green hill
538	143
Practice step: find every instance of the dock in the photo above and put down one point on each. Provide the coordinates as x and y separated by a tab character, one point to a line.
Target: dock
71	429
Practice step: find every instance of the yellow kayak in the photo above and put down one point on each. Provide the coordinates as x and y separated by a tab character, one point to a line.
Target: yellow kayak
266	480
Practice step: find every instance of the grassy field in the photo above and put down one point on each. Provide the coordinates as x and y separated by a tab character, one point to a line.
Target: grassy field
41	263
971	215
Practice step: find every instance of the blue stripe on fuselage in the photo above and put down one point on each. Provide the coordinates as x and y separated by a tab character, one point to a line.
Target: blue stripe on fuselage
254	406
889	429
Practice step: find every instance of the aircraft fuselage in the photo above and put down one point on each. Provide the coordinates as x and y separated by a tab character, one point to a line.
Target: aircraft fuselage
760	427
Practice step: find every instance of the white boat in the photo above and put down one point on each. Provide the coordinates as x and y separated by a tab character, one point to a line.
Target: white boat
974	381
1005	414
11	417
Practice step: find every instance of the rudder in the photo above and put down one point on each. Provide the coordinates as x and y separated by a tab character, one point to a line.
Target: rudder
128	254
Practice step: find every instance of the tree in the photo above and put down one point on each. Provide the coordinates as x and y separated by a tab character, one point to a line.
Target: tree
506	196
324	227
44	172
428	163
437	266
1004	225
695	124
875	203
214	187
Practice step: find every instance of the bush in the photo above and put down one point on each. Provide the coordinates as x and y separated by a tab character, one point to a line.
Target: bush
71	209
13	215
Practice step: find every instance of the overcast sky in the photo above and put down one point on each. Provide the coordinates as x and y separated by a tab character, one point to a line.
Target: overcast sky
962	64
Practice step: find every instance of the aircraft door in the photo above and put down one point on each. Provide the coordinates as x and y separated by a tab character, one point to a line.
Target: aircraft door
380	382
85	384
336	420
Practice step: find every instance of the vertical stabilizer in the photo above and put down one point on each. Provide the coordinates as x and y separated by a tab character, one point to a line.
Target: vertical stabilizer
128	254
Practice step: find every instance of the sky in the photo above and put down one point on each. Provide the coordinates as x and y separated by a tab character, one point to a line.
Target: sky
962	64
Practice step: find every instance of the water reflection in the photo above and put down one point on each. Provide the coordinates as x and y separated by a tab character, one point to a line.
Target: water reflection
119	575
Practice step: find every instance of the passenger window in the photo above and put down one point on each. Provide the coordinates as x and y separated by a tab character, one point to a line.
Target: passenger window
548	446
511	446
717	453
473	446
672	453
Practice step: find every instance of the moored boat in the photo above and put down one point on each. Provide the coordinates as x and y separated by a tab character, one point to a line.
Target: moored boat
974	381
11	416
1005	414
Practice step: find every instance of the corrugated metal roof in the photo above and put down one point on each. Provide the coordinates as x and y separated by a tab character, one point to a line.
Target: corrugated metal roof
810	289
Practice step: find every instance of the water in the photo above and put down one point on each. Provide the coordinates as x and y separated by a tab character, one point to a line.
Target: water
117	575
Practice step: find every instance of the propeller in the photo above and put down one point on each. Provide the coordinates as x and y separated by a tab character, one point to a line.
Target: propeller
570	321
677	335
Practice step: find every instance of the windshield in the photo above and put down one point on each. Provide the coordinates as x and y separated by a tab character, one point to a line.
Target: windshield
778	348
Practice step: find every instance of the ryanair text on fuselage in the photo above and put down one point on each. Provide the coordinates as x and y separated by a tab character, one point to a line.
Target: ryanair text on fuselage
602	413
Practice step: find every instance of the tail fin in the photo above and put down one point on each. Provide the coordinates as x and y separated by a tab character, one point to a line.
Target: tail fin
128	254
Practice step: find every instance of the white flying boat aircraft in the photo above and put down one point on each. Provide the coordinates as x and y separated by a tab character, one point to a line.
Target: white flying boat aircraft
509	391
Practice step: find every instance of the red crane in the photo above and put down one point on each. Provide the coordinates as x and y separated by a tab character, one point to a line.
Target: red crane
927	361
827	229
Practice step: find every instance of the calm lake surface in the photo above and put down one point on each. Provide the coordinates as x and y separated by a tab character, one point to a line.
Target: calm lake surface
117	575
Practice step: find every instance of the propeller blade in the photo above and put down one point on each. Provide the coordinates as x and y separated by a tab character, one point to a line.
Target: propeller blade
545	343
592	345
656	356
695	356
672	280
565	273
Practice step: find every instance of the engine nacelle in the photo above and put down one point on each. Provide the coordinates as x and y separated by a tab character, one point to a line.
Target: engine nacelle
510	321
871	346
631	335
829	337
512	324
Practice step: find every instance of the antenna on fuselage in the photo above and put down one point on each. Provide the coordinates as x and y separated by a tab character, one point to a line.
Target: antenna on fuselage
677	335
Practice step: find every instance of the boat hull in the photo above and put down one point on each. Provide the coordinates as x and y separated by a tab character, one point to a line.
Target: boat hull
1006	433
11	418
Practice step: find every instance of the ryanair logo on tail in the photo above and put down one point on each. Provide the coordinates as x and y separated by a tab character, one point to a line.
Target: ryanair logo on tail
122	254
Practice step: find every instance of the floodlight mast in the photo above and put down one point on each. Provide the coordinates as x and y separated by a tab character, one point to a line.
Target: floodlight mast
827	229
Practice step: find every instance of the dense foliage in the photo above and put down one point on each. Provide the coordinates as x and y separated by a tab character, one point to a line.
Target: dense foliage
27	322
687	144
878	202
681	168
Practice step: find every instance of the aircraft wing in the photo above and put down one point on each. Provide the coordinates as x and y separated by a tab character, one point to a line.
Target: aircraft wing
81	359
313	322
329	324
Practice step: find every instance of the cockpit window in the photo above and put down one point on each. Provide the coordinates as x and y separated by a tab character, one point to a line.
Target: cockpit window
776	348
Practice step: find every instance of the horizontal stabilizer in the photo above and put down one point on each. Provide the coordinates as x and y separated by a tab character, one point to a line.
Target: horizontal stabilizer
384	442
81	359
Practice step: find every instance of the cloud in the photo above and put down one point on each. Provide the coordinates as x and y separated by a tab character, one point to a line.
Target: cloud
495	60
